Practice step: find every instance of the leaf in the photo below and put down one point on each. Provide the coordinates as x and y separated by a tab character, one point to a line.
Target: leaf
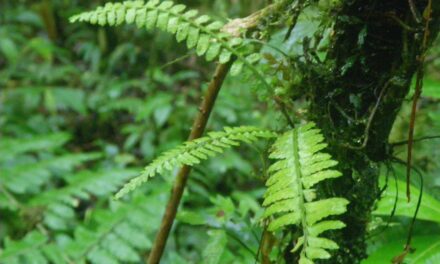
193	37
202	45
236	68
429	208
9	49
30	249
427	251
191	218
215	247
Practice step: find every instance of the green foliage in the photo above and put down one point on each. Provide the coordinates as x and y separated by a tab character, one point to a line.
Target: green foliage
387	241
17	180
427	250
11	147
79	114
192	152
118	234
199	32
290	197
59	204
429	210
215	247
114	235
33	248
83	108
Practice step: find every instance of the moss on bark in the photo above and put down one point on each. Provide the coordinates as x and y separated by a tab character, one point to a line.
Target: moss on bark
356	95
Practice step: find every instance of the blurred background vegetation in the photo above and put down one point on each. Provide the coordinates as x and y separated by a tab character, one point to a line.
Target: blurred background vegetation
83	109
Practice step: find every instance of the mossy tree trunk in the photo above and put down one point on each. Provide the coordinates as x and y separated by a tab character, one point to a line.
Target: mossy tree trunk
356	95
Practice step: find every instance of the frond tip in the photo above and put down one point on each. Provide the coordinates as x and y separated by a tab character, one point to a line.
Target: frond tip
192	152
291	199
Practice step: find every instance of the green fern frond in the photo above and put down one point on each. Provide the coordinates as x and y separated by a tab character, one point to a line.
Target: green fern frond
291	199
192	152
119	234
11	147
33	248
17	179
200	32
58	205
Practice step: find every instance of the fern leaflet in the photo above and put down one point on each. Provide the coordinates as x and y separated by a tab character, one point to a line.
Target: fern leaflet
290	198
192	152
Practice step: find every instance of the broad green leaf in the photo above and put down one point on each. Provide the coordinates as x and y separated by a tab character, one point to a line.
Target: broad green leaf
427	251
429	209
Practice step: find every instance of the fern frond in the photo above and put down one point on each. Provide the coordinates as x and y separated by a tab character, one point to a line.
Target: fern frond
29	177
119	234
33	248
291	199
58	205
11	147
192	152
200	32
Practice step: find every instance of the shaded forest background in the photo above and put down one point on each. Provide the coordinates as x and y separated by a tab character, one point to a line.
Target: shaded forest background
83	109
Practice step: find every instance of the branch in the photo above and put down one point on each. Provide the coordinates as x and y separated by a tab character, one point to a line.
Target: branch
182	177
417	94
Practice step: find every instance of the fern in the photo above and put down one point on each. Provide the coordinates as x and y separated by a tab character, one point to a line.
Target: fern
11	147
192	152
118	234
18	180
290	198
199	32
33	248
58	205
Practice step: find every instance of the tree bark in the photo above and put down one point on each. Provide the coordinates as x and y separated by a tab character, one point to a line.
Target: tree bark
355	96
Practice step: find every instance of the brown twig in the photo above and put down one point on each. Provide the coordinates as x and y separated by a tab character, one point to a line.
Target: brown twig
418	92
180	182
266	245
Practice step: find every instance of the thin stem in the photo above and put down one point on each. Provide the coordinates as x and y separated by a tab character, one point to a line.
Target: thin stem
404	142
414	11
370	120
417	94
266	246
182	177
283	110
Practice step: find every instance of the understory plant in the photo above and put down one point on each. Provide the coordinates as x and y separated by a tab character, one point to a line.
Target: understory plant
336	99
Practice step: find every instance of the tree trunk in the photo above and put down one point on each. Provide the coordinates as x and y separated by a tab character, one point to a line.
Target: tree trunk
356	95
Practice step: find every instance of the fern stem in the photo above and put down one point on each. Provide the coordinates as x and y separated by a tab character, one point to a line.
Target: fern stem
182	177
300	187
